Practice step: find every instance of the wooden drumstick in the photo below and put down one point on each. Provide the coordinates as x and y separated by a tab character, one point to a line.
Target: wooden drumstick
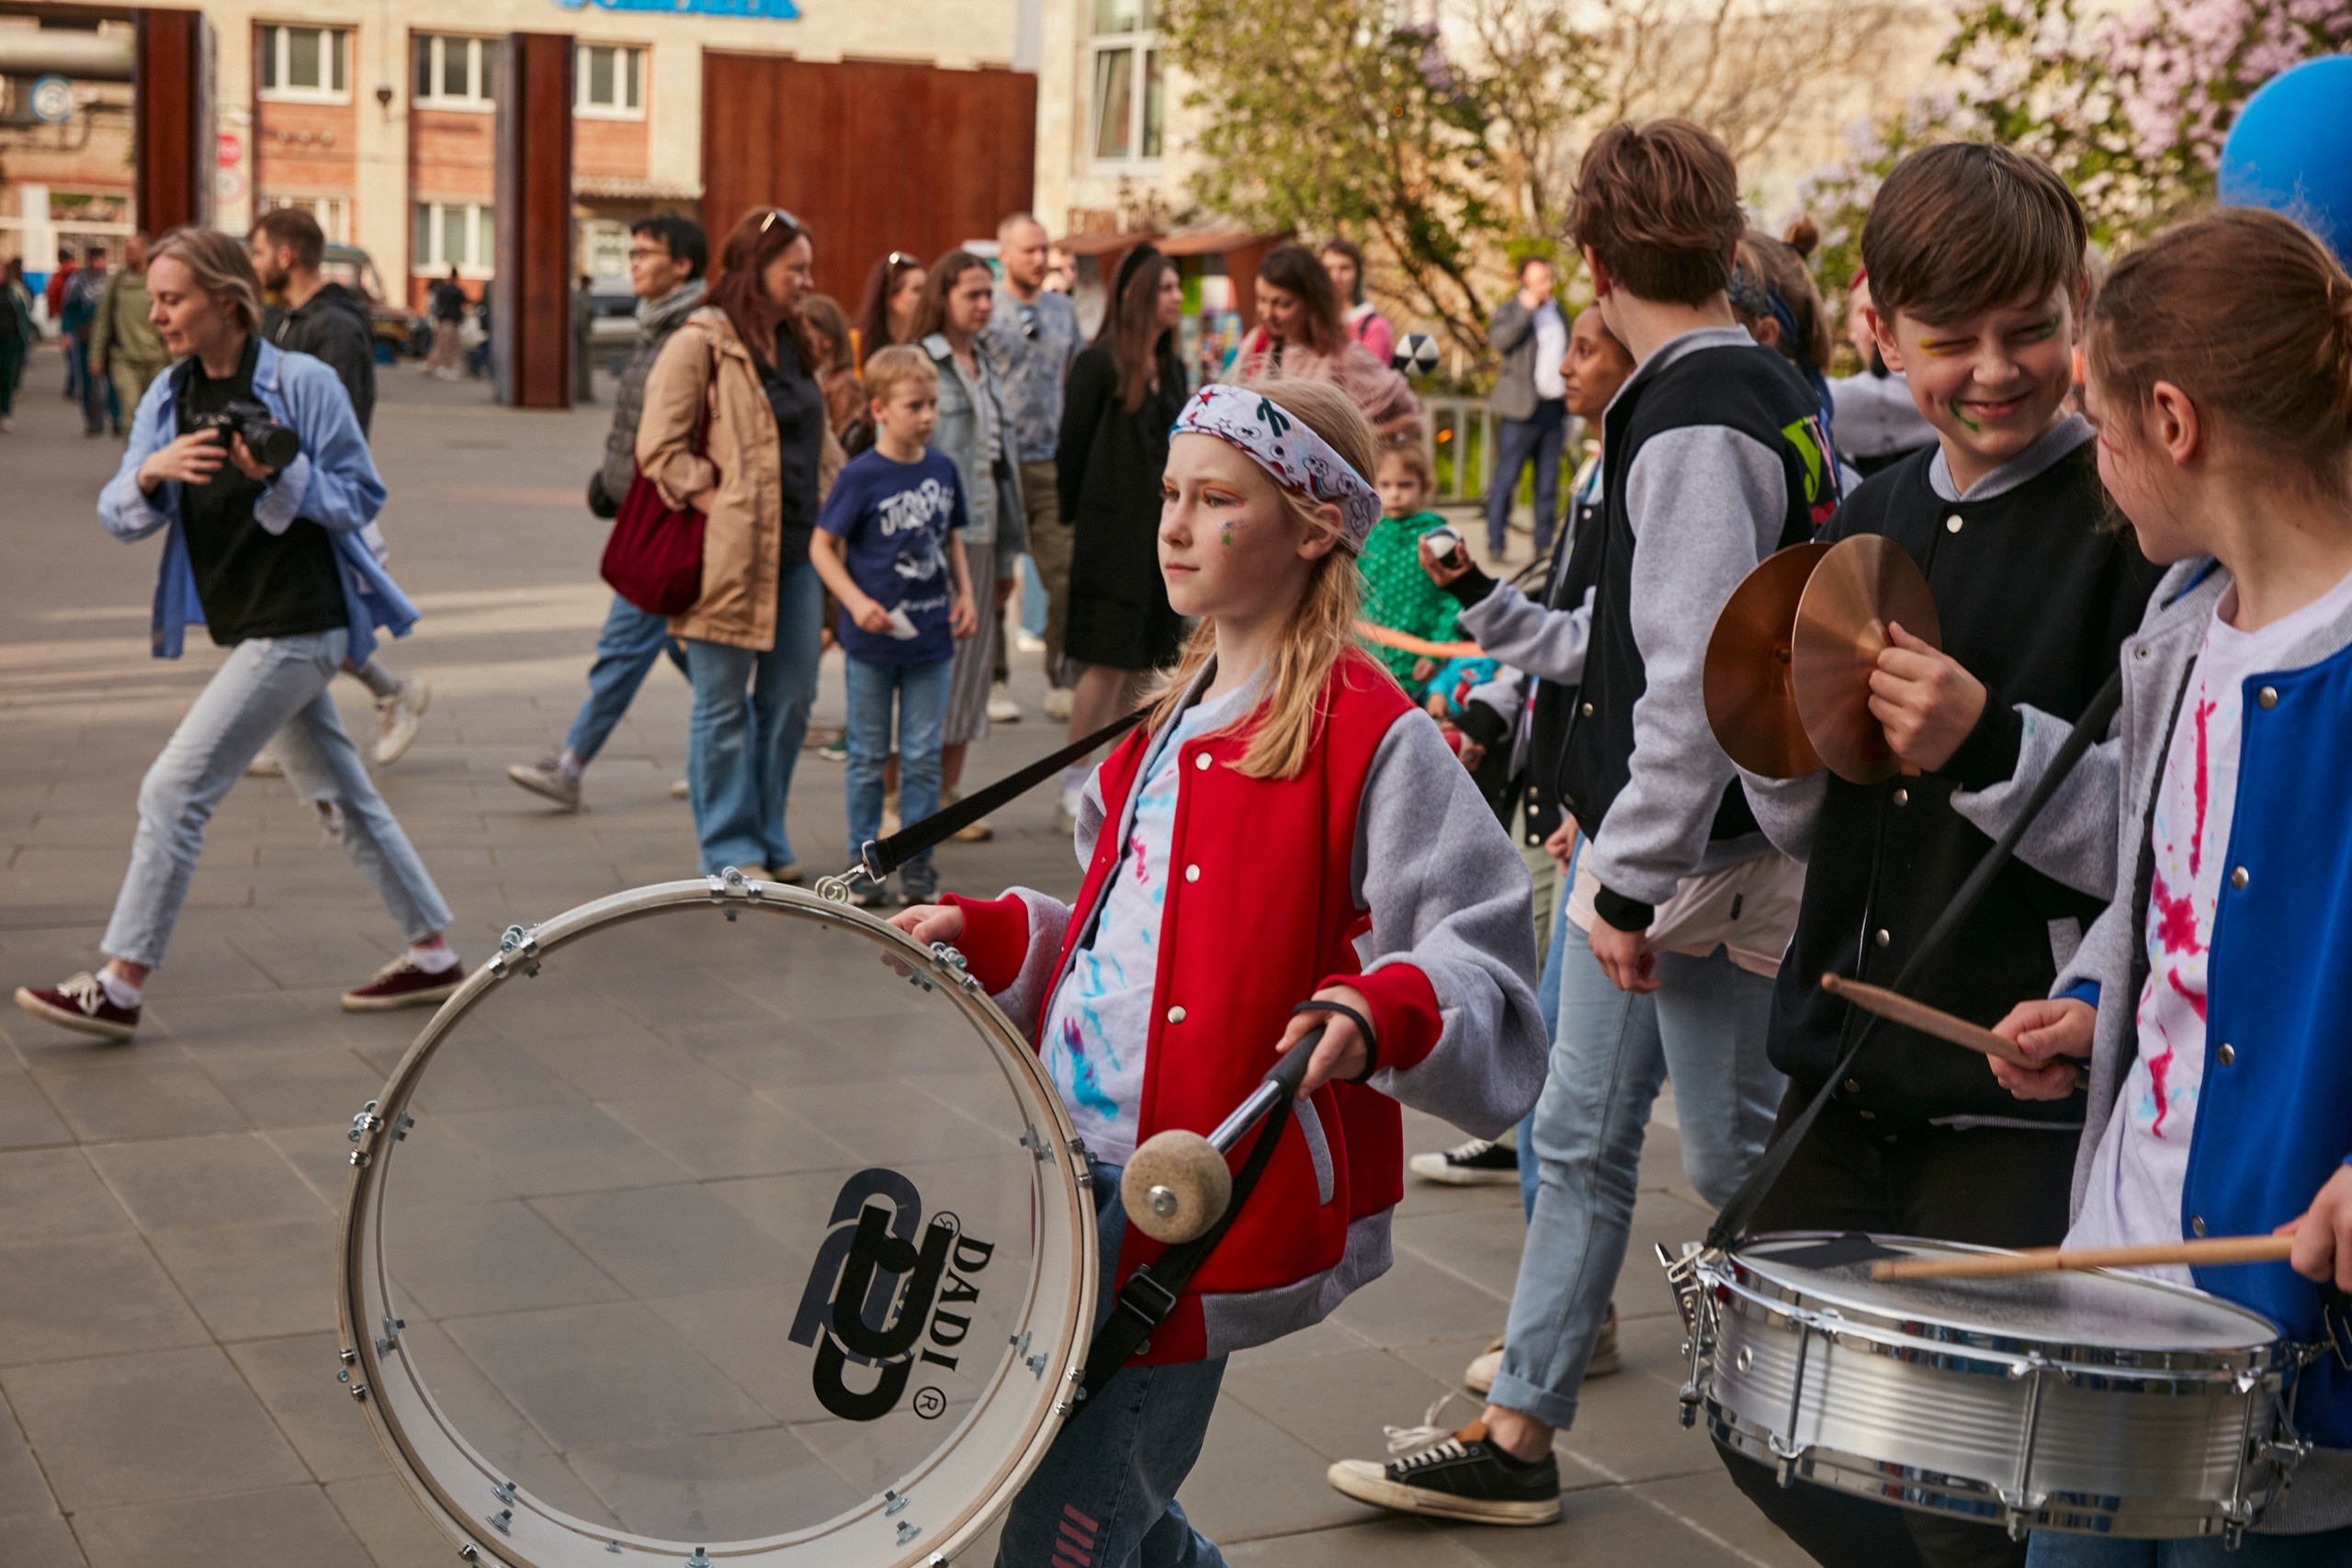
2050	1259
1927	1020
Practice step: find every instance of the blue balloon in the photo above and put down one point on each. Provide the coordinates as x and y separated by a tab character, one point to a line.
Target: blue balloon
2290	151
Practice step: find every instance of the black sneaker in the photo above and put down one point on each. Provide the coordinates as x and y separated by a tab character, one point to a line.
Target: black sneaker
1475	1164
1463	1477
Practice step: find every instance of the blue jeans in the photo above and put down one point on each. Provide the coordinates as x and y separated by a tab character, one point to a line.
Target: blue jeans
270	686
1105	1496
2329	1549
1517	442
922	694
1547	1002
626	652
1703	1026
750	710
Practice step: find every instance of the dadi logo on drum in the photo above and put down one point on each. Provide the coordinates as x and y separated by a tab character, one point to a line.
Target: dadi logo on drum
880	1298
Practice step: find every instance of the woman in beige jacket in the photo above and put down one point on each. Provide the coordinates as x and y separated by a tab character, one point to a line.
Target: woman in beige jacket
759	475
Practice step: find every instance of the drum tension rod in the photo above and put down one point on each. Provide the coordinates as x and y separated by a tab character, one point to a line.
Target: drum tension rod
519	944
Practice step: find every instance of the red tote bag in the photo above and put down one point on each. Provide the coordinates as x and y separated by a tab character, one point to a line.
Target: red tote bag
654	559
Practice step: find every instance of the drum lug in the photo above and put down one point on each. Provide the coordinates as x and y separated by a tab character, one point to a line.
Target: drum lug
907	1532
955	961
365	1123
518	945
701	1558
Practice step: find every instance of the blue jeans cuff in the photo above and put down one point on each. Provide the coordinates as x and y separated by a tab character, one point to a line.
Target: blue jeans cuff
1557	1411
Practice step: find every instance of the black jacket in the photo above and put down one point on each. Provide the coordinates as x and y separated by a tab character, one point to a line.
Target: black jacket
2035	595
1109	465
334	325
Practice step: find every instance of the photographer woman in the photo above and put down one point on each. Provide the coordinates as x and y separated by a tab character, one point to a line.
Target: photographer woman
1299	334
758	473
268	558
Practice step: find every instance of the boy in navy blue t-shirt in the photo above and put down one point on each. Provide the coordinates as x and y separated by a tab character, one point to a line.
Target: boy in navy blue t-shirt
888	545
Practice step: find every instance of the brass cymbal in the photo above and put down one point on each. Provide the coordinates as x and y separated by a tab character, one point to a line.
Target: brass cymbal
1751	705
1861	586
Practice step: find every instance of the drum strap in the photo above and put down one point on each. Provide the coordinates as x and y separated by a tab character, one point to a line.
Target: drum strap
2090	729
1150	1292
883	856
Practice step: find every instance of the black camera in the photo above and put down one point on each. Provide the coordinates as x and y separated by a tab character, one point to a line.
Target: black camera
272	443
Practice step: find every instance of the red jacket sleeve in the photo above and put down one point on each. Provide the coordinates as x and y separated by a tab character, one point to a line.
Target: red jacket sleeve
996	940
1404	1011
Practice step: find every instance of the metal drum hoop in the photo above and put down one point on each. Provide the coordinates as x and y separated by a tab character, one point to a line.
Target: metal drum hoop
431	1454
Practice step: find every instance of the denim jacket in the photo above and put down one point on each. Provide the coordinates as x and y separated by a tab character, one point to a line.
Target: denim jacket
997	520
332	483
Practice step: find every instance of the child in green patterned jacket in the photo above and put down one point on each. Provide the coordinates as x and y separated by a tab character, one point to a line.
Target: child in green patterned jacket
1397	595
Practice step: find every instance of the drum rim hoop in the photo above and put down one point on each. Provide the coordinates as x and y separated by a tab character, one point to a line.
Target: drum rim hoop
359	1275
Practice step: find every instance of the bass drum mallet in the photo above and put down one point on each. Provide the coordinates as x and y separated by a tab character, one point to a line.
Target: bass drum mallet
1178	1185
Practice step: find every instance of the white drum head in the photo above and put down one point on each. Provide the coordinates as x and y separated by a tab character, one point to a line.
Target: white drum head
715	1240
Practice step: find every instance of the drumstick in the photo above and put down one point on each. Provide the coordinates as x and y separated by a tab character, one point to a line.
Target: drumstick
2050	1259
1406	642
1927	1020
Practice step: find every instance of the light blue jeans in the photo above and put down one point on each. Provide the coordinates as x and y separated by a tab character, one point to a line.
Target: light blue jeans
270	686
751	711
627	650
1704	1027
1105	1496
1547	1002
921	692
2329	1549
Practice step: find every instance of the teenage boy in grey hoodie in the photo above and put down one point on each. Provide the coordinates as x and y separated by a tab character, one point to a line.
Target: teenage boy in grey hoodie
1715	459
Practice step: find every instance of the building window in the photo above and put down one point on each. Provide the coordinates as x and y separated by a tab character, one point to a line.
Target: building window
603	247
304	64
453	233
611	81
333	212
454	72
1129	89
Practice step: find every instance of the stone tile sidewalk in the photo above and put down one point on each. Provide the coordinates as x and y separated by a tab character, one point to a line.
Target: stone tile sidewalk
169	1211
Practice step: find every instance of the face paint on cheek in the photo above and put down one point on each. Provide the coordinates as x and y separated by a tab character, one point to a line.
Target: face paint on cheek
1951	406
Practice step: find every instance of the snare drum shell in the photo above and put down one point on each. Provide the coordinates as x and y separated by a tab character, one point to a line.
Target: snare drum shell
1938	1416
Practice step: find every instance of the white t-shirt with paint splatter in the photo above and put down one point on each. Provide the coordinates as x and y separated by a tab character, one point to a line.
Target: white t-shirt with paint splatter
2140	1173
1099	1025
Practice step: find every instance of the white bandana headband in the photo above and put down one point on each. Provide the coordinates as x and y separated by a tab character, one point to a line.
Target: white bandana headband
1278	442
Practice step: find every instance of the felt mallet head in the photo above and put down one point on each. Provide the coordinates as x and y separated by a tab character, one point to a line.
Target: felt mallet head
1176	1187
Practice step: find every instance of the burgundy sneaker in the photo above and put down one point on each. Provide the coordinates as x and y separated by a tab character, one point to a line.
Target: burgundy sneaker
81	1005
401	984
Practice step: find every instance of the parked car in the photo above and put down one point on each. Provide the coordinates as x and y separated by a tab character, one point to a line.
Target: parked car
397	327
612	327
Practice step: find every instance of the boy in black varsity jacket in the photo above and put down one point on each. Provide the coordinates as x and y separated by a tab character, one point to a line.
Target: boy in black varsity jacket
1713	458
1975	259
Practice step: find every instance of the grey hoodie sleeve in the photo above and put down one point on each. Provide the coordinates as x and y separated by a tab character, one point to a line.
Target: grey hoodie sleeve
1789	810
1548	644
2074	839
1448	895
1706	503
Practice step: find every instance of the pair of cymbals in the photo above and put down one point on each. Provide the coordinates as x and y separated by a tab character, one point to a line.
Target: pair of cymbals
1787	670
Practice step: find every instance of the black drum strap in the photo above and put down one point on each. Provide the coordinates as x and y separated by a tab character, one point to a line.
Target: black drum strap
2088	730
1150	1292
883	856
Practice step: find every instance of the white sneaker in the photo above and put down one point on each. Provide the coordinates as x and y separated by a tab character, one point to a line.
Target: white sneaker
680	789
398	717
1003	709
546	777
266	766
1027	641
1058	704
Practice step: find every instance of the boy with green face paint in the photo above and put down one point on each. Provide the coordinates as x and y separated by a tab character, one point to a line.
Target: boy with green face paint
1975	256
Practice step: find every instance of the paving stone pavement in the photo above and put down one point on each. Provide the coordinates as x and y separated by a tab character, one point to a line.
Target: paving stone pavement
169	1210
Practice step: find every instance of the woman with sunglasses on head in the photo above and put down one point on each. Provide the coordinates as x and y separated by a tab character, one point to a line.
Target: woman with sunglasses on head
758	472
893	293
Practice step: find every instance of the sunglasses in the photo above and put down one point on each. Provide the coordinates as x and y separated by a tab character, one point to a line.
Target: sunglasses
1028	314
901	258
779	215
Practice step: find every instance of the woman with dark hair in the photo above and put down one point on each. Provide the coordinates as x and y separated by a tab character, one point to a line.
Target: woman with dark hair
757	470
1343	261
975	429
835	367
1123	394
893	294
1299	334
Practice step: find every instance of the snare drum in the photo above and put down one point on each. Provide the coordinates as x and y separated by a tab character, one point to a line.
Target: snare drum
689	1232
2100	1401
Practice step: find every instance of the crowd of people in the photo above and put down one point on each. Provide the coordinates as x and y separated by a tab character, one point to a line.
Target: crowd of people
1478	831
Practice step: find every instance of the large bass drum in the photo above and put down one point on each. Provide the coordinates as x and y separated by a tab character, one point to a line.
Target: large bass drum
714	1223
2098	1401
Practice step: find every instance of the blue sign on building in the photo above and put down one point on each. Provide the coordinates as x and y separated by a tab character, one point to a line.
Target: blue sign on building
772	10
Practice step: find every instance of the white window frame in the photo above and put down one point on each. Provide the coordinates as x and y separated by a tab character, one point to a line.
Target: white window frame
429	260
1142	43
482	56
332	211
274	55
626	58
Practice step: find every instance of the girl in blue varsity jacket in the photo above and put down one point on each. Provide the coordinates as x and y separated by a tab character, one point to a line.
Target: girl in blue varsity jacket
2213	1000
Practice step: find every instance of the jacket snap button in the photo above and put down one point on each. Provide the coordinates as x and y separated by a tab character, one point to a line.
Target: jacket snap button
1852	1086
1867	1115
2225	1055
1586	710
1882	938
1902	797
2267	697
2197	1224
2238	879
1175	1015
1191	873
1201	761
2140	652
1952	523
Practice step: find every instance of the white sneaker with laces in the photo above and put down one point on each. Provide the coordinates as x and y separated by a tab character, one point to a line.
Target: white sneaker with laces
1003	709
397	719
546	777
1057	705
